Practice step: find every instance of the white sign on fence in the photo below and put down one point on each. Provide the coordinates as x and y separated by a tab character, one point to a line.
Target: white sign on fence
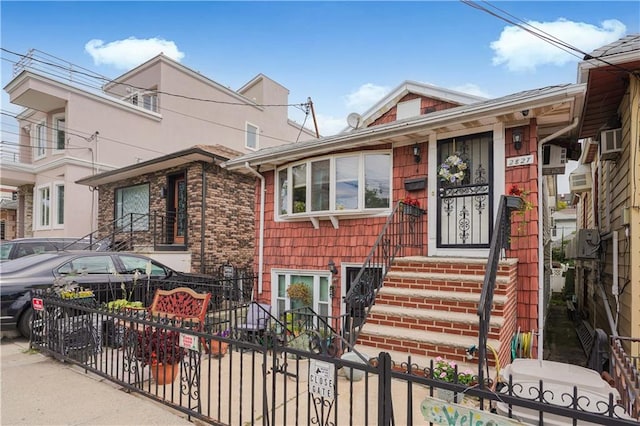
189	341
321	379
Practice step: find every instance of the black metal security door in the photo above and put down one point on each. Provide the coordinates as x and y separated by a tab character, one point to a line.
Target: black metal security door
465	207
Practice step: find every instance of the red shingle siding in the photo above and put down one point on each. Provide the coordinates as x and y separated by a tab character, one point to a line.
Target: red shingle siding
524	231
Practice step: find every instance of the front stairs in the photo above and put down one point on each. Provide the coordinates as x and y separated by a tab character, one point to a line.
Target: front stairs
428	306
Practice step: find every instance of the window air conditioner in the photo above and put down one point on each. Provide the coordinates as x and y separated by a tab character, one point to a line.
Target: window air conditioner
554	159
610	144
580	179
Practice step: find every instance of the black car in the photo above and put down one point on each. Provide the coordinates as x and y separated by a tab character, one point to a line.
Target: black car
21	247
85	268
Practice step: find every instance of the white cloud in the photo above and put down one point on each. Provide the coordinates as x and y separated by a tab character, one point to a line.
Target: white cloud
131	52
471	89
329	125
522	51
365	96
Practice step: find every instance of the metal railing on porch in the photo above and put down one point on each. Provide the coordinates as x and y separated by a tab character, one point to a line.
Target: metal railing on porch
499	242
133	230
405	227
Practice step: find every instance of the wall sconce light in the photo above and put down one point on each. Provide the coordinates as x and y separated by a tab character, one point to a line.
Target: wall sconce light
517	138
416	153
163	192
332	267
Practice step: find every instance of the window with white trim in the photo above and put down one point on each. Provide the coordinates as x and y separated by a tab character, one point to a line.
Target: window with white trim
147	99
59	204
351	182
132	207
40	140
59	133
252	136
317	283
43	207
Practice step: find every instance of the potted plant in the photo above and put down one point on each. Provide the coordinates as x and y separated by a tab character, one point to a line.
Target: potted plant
160	349
300	292
411	206
125	302
447	371
518	201
218	347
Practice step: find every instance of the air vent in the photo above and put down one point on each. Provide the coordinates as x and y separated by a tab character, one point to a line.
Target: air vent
554	159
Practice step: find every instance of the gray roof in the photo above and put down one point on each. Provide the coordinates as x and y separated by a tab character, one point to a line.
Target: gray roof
626	44
514	101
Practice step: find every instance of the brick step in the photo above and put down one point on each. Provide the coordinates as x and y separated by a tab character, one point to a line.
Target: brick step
420	344
442	281
451	265
453	323
452	301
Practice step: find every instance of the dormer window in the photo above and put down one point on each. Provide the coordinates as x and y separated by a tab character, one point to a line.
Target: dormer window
340	184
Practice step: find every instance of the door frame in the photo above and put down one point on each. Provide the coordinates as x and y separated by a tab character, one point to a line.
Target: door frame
432	200
170	208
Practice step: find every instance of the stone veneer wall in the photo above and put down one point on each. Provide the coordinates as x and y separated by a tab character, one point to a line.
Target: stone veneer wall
228	213
25	211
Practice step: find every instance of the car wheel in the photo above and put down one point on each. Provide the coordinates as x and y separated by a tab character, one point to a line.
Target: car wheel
24	324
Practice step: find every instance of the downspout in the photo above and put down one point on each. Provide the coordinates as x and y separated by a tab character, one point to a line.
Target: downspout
261	234
202	217
540	236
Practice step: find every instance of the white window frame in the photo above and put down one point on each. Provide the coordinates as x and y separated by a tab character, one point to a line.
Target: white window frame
39	140
42	221
54	133
257	136
57	223
288	273
333	209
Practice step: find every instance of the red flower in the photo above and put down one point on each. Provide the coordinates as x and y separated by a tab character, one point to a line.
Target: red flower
515	190
410	201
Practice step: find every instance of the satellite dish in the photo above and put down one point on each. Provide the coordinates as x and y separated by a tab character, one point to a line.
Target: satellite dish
353	120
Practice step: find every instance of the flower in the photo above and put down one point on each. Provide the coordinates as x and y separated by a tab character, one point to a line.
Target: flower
446	371
453	169
517	191
157	345
223	333
410	201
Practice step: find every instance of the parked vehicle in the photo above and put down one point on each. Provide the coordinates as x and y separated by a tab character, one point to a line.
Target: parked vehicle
87	269
21	247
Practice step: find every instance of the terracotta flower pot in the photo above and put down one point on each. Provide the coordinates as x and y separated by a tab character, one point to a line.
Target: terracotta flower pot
218	348
163	374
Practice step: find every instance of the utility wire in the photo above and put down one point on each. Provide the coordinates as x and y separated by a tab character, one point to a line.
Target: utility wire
554	41
109	81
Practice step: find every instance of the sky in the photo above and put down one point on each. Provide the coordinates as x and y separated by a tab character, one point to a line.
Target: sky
343	55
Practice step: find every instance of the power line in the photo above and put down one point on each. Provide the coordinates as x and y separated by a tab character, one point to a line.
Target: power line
110	81
554	41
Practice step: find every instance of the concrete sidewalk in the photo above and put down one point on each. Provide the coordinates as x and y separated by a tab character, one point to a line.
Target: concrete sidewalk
38	390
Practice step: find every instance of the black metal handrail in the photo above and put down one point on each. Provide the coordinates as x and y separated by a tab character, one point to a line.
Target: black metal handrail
403	228
120	234
499	241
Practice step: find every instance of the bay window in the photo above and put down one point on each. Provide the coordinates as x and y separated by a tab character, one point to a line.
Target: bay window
40	140
59	135
351	182
59	212
43	206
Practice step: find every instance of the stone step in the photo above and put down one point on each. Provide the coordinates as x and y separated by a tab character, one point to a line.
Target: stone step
453	323
452	301
377	338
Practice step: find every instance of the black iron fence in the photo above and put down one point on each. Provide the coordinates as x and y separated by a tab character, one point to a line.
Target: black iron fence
223	378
